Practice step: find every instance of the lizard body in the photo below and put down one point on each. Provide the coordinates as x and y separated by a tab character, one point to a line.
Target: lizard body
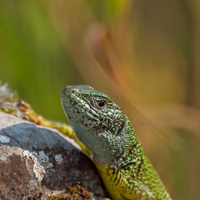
109	140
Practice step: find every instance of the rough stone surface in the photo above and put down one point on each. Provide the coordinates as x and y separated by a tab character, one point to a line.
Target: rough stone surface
36	162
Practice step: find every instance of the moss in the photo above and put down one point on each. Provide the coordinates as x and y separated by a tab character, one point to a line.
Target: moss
76	192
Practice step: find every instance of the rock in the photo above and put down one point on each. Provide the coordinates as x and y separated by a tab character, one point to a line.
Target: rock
38	162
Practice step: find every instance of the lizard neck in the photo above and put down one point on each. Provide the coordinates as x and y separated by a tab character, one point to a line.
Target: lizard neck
129	151
133	152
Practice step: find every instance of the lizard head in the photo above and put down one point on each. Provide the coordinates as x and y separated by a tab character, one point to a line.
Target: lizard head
97	122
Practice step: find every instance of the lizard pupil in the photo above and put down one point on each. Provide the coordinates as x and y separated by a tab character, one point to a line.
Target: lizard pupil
101	103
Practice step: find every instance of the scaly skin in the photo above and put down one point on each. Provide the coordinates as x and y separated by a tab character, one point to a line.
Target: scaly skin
109	140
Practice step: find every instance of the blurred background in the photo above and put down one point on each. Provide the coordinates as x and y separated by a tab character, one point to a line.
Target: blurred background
144	54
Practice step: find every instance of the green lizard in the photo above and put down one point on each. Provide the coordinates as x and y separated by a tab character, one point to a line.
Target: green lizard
109	140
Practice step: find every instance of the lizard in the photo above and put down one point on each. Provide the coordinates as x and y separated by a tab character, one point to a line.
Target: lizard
107	137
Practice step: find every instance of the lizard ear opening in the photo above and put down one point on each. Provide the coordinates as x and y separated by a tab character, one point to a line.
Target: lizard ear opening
120	128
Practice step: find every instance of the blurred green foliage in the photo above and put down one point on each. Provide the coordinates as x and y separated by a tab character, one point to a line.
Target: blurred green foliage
144	54
32	58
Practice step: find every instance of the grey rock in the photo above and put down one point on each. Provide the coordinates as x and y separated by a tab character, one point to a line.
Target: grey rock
36	162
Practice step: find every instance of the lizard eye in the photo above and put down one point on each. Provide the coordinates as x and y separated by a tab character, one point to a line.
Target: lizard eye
101	104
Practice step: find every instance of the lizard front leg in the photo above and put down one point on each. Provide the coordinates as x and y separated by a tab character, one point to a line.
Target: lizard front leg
129	188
